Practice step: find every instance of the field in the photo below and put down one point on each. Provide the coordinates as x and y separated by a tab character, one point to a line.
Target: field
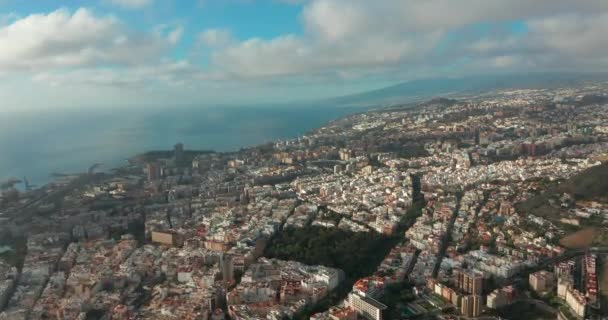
582	238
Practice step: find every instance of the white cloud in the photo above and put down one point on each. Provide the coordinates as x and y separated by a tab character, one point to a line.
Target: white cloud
343	41
562	41
131	4
216	38
172	32
65	39
363	37
573	35
175	35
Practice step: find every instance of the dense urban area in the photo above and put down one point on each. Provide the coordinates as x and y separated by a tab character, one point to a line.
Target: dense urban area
486	206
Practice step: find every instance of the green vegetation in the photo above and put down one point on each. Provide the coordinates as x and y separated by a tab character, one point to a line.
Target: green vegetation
395	297
591	184
329	215
357	253
524	310
413	151
592	99
404	150
136	228
16	255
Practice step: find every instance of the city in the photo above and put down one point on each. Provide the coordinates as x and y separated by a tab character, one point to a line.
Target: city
490	205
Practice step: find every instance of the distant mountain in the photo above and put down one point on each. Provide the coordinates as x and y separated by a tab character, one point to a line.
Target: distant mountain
418	90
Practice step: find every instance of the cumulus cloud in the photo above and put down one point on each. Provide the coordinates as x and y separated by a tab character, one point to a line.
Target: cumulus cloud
564	41
574	35
216	38
65	39
341	40
362	37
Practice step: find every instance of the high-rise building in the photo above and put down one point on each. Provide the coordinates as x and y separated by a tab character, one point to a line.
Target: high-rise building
563	285
227	267
565	269
367	307
541	281
495	299
471	306
469	281
500	297
576	301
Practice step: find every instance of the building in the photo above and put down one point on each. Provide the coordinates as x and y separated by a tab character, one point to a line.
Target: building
576	301
168	238
227	267
471	306
495	299
541	281
500	297
120	312
367	307
217	246
347	313
469	281
565	269
562	286
456	299
154	171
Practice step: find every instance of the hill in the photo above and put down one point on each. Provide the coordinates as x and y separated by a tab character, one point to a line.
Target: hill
591	184
420	90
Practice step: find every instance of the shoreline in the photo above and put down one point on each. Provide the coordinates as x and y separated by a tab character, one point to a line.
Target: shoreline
88	140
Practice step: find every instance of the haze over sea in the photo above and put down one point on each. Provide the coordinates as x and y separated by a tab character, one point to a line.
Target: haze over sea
36	144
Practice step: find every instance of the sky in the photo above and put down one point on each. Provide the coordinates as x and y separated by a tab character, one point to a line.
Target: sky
144	53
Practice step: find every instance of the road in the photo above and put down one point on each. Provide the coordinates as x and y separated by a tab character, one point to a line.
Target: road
447	238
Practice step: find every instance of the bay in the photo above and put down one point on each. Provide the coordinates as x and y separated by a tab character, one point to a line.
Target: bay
36	144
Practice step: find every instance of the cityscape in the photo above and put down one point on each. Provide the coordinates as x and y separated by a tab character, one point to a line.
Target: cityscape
303	160
490	205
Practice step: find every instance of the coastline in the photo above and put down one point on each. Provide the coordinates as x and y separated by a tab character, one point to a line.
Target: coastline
101	136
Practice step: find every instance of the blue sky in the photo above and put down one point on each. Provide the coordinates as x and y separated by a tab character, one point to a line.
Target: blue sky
129	53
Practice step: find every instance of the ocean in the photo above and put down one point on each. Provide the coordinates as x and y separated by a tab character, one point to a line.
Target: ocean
36	144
